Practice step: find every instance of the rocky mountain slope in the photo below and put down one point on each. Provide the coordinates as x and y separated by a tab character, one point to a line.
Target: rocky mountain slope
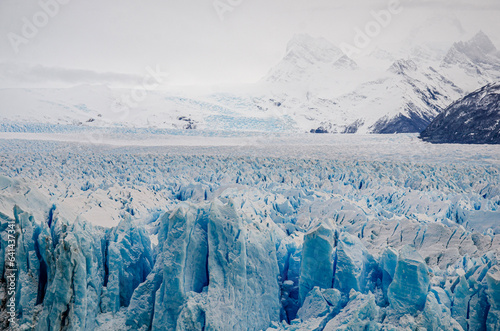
475	119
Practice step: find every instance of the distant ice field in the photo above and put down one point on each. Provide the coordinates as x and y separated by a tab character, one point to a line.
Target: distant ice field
390	148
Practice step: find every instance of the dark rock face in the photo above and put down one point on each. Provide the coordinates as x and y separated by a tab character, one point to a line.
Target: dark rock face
353	128
475	119
414	122
319	130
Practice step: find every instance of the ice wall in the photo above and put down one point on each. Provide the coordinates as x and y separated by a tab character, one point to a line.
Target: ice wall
215	270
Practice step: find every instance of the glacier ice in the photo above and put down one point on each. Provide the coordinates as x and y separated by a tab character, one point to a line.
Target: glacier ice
317	262
128	261
254	243
75	274
184	266
243	291
354	265
388	263
409	287
360	313
493	281
436	316
320	302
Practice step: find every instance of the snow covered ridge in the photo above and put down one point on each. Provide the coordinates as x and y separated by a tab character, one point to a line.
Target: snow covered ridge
209	241
474	119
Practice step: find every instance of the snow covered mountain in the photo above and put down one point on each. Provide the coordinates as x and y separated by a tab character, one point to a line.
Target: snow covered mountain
314	88
404	98
474	62
475	119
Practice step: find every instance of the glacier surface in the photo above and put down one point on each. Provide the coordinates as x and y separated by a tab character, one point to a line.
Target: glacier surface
231	238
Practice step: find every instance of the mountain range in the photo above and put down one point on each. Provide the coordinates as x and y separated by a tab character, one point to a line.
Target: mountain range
403	98
315	87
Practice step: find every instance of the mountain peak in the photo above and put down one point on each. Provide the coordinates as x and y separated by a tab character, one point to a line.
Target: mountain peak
306	39
477	49
403	66
481	42
307	58
300	39
306	46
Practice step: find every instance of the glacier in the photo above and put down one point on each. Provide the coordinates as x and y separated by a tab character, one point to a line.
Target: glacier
164	238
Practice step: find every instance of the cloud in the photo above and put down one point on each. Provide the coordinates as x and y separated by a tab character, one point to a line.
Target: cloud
191	42
15	74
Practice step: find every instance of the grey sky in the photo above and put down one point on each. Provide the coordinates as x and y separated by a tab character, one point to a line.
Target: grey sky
111	41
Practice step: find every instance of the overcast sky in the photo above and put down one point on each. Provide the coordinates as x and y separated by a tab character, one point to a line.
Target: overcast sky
111	41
